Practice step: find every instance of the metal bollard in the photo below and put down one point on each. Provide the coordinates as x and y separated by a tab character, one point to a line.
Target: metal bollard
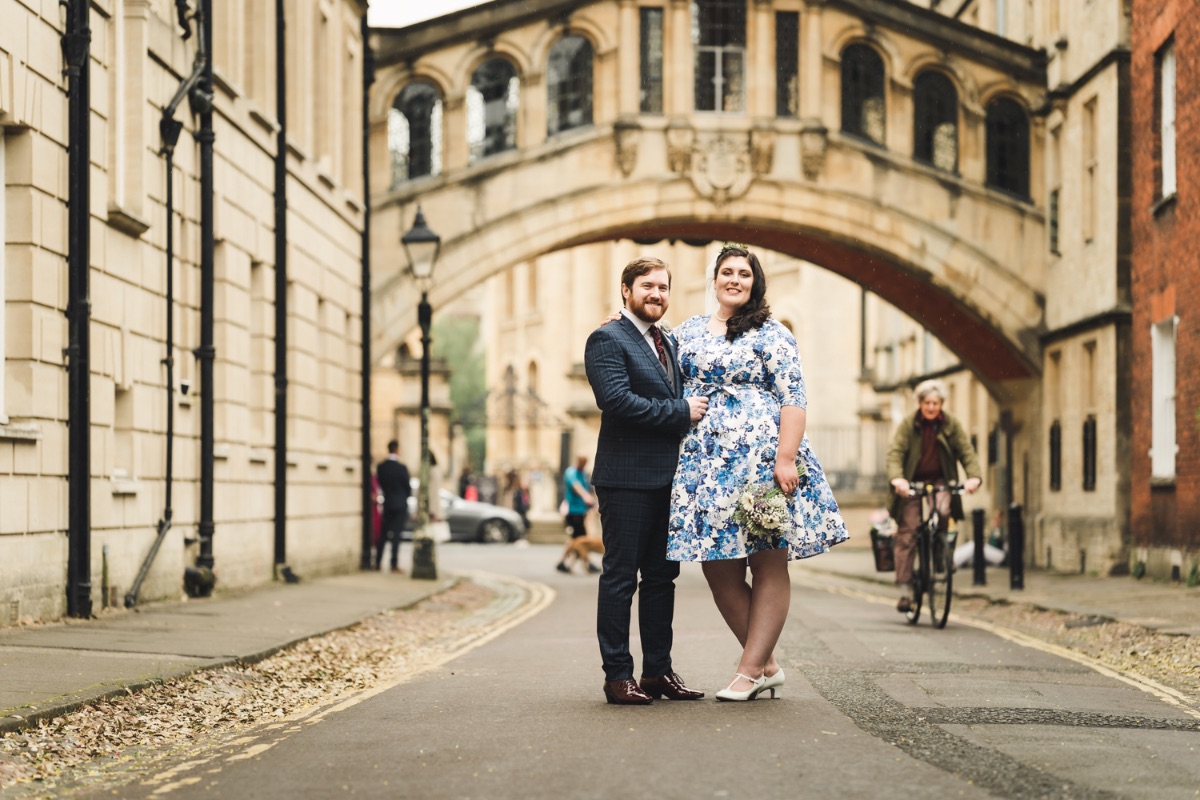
980	563
1016	547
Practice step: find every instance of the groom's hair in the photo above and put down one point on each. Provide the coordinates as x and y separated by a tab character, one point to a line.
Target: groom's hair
642	266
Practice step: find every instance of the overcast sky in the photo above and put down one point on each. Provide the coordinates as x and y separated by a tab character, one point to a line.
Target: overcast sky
398	13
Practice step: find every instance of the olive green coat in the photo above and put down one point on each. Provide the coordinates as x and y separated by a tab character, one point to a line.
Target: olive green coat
953	447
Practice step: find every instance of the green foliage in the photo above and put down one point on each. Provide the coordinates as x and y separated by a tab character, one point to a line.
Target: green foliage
456	341
1139	569
1194	575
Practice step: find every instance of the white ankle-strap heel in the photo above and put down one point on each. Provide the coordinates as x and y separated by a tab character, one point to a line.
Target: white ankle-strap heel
756	685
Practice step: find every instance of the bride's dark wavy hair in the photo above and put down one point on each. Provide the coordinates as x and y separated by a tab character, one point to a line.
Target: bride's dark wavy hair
755	311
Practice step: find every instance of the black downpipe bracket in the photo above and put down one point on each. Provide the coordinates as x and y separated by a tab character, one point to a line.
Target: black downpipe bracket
282	570
199	580
169	129
368	494
76	46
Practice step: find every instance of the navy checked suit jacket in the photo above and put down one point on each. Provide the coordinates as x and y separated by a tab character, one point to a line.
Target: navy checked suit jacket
642	413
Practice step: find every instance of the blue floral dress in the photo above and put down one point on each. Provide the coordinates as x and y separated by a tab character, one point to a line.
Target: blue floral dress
733	446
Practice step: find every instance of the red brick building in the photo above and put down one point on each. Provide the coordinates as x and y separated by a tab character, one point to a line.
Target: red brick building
1165	455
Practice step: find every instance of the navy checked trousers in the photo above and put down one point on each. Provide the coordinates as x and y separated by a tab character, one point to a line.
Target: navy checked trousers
635	542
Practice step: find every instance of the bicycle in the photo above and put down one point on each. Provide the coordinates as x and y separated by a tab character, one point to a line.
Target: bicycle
933	572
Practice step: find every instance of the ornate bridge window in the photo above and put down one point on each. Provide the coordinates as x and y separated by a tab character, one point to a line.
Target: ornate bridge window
492	101
787	64
935	121
651	50
415	133
864	110
1008	147
569	85
719	37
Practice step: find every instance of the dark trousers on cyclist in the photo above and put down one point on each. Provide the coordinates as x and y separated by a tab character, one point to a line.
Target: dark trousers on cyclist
906	530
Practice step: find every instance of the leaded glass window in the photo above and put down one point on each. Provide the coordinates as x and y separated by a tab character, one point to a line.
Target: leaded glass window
719	38
864	111
1008	147
492	102
935	121
787	64
415	133
569	85
651	101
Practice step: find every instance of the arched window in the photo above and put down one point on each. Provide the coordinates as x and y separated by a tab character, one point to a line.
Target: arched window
415	133
719	37
935	121
1008	147
492	109
863	106
569	85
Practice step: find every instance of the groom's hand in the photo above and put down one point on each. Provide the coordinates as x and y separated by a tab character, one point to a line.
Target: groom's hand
697	407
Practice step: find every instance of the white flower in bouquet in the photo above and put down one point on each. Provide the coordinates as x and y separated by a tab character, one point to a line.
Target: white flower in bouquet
763	511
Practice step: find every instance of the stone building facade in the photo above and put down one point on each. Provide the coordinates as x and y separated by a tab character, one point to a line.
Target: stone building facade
139	57
1165	449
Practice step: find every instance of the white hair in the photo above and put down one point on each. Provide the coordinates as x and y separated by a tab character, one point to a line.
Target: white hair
931	386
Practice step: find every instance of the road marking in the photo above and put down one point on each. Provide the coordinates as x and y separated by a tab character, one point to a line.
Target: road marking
1164	693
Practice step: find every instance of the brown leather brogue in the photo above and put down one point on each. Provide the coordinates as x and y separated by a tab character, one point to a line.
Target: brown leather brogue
626	692
669	686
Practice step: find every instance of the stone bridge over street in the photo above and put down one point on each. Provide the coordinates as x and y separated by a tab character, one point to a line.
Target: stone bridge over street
875	149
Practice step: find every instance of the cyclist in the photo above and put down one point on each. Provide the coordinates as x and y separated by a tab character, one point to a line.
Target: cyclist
927	446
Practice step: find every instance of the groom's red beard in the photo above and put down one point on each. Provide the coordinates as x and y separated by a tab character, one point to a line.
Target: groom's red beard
646	311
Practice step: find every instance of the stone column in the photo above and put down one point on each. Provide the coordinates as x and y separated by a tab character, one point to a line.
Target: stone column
628	53
679	60
812	62
531	114
760	101
454	133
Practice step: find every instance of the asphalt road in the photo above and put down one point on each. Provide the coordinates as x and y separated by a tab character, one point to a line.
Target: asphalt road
872	708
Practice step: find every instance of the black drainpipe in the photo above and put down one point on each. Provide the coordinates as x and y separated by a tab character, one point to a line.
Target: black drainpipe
169	129
199	580
76	46
282	570
368	509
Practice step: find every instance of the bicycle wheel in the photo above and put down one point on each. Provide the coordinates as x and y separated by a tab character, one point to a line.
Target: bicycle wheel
913	615
941	578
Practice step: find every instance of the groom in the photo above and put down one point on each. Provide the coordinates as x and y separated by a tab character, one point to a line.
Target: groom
632	369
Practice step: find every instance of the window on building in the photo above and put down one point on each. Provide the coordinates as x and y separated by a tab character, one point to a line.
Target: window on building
1166	119
1090	166
1055	456
1008	147
1089	453
1162	409
651	101
492	101
1052	220
935	121
787	64
415	133
863	105
719	38
569	85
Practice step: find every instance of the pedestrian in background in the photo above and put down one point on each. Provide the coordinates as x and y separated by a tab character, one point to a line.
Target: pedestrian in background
578	498
395	484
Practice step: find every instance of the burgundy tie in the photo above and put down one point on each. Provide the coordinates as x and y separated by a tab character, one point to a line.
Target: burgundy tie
656	335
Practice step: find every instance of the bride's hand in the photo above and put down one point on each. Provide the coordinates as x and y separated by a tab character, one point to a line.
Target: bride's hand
787	477
613	317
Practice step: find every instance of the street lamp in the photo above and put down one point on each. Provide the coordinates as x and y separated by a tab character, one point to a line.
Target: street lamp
421	245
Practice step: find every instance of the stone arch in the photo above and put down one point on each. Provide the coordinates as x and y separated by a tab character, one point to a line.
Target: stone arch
982	310
392	82
501	48
964	81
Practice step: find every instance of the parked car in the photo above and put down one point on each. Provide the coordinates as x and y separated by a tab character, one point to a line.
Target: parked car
470	520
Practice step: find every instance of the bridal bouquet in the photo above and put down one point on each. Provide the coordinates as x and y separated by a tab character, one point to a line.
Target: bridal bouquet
763	512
